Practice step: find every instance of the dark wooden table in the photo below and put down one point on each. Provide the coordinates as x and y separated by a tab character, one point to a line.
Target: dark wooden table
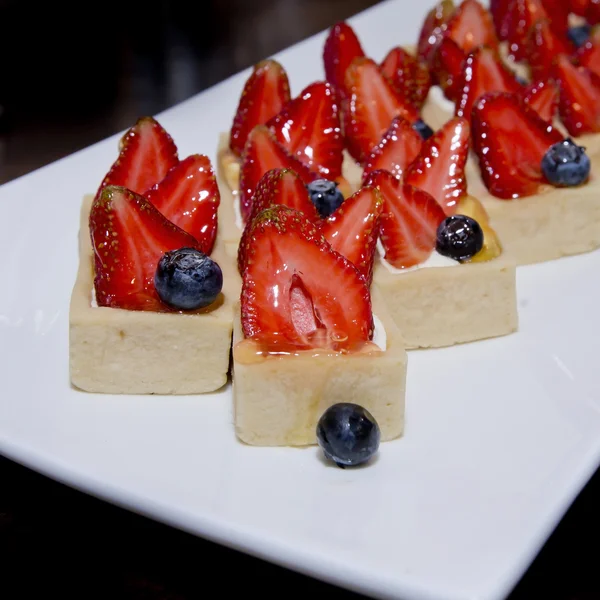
69	80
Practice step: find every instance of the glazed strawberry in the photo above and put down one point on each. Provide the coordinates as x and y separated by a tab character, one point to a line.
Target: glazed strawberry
341	48
483	71
522	16
440	167
592	13
579	103
510	140
263	153
309	127
589	54
409	221
471	26
147	152
277	186
579	7
189	197
297	292
265	93
408	75
397	149
129	236
543	47
353	229
541	96
499	11
448	66
371	107
433	29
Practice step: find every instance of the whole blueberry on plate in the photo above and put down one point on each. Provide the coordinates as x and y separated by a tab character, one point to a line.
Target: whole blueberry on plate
566	164
459	237
579	34
325	195
348	434
187	279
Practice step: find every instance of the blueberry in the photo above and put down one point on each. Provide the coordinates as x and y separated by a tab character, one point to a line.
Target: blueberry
325	196
348	434
566	164
522	81
187	279
459	237
579	35
422	129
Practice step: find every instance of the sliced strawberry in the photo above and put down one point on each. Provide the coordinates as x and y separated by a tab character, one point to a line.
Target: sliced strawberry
543	47
147	152
353	229
309	127
265	93
298	293
277	186
372	105
521	17
471	26
409	221
408	75
341	48
541	96
592	13
129	236
398	148
510	140
440	167
499	11
263	153
483	72
189	197
579	7
447	67
558	12
579	103
589	54
433	29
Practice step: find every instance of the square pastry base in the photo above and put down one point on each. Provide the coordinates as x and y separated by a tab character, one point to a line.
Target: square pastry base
556	222
278	400
442	306
135	352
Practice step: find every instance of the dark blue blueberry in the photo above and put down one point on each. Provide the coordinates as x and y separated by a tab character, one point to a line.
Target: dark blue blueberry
579	35
422	129
522	81
325	195
459	237
566	164
187	279
348	434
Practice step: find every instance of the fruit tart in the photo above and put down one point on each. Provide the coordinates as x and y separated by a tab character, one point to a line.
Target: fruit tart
151	308
310	337
272	130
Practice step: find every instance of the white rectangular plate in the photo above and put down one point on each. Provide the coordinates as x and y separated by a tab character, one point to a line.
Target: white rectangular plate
500	435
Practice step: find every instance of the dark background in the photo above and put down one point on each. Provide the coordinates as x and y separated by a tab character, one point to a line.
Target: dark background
71	76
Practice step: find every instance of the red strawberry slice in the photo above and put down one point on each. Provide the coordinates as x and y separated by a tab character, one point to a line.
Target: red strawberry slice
353	229
510	140
265	93
579	102
298	293
543	47
522	16
189	197
499	9
471	26
309	127
129	236
589	54
541	96
448	66
372	105
341	48
278	186
409	221
440	167
433	29
263	153
398	148
483	72
592	13
579	7
147	152
408	75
